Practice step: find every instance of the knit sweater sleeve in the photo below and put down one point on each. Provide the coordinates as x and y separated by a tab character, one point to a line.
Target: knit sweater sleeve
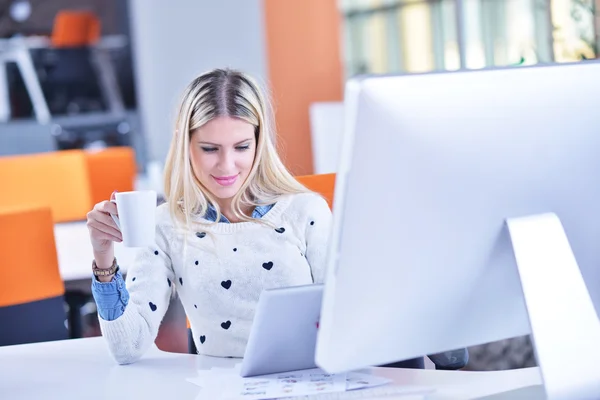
318	227
149	284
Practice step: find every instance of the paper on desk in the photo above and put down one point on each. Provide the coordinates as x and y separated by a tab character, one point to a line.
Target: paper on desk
291	384
227	384
198	381
356	380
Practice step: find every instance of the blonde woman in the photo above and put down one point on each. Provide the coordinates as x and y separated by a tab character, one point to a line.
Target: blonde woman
235	222
271	231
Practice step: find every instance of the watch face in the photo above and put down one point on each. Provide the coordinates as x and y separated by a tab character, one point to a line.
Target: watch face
104	272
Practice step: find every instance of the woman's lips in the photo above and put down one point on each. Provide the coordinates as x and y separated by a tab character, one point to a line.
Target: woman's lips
225	180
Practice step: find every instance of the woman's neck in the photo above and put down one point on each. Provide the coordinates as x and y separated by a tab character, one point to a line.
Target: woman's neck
227	210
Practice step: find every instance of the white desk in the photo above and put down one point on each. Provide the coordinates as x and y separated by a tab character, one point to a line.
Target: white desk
83	368
75	251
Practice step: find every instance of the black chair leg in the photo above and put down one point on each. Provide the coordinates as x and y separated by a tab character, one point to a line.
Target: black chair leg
76	300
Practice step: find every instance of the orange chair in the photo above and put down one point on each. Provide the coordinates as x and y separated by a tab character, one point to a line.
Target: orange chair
324	184
58	180
110	169
75	29
31	288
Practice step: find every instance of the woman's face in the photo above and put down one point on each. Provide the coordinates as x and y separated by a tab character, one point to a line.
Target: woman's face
222	153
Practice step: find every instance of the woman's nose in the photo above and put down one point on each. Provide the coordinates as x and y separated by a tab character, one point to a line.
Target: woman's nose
226	161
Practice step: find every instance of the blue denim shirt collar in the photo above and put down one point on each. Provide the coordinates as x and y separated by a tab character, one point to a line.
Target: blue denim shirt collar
259	212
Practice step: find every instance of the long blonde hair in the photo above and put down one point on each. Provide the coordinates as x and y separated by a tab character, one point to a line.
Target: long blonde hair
224	92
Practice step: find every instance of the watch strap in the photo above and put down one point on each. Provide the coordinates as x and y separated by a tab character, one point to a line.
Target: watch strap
105	271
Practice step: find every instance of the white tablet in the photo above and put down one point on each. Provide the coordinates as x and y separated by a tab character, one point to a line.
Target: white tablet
284	331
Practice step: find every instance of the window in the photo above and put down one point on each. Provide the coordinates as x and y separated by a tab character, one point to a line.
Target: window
383	36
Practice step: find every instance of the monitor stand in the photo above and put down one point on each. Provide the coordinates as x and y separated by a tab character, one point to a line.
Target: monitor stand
565	328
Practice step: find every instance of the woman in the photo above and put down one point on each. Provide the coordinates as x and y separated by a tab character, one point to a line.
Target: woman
271	231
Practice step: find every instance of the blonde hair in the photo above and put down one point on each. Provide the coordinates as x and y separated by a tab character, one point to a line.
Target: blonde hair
217	93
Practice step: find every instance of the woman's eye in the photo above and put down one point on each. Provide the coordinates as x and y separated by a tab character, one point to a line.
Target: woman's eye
209	149
242	148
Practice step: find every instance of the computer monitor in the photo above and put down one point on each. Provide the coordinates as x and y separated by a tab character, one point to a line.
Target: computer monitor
440	175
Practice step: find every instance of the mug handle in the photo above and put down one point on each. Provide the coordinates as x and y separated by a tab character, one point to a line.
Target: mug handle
114	217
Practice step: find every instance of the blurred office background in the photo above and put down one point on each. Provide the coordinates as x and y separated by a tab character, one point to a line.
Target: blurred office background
92	75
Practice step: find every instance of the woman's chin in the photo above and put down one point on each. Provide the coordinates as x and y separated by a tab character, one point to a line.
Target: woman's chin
224	193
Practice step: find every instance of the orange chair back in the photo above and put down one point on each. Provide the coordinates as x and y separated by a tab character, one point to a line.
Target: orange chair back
75	29
324	184
28	260
109	170
58	180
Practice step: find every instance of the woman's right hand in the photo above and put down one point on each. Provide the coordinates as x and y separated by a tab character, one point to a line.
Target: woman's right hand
103	231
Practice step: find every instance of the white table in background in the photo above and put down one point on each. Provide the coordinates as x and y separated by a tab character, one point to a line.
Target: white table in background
84	369
73	239
75	251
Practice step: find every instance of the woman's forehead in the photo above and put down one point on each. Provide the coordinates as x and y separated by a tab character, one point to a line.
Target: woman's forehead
224	130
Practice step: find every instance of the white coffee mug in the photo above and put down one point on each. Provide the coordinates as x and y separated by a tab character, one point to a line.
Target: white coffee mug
137	217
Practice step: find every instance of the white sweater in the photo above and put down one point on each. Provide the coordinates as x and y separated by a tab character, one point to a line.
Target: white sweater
219	275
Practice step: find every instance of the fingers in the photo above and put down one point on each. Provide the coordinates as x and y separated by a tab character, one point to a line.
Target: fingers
101	231
107	207
103	218
101	224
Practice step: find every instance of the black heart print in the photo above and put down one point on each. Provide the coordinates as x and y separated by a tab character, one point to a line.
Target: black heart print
268	265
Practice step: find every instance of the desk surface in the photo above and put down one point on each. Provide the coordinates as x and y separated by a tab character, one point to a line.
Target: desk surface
83	368
75	251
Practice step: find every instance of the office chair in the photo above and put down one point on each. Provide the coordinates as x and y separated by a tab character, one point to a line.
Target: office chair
31	288
110	169
58	180
324	184
70	82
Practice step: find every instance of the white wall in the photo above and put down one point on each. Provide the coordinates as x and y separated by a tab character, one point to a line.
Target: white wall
174	40
327	133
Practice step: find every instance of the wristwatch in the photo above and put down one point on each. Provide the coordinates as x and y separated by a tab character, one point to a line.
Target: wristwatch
105	271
